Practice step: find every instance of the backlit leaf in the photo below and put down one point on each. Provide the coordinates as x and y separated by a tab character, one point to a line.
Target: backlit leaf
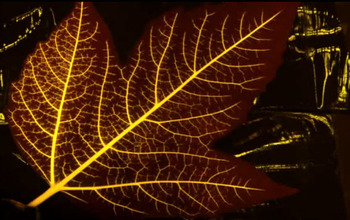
136	138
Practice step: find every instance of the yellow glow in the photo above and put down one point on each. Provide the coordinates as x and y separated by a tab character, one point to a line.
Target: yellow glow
28	31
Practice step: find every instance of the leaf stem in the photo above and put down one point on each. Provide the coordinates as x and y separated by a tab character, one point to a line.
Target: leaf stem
47	194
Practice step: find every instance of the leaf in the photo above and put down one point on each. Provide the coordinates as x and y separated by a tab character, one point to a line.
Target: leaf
137	138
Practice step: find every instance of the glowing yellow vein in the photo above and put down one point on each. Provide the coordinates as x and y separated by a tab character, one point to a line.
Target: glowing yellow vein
54	140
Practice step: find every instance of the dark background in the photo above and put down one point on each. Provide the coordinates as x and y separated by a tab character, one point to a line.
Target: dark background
342	120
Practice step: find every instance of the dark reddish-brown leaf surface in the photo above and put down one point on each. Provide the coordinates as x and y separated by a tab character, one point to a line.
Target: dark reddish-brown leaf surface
135	139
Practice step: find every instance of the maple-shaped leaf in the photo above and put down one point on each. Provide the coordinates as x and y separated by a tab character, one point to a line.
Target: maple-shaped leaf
136	139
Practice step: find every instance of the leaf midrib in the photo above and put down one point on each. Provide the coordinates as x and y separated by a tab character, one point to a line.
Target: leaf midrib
162	182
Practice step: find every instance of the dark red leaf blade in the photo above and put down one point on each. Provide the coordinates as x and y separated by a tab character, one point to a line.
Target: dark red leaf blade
138	138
